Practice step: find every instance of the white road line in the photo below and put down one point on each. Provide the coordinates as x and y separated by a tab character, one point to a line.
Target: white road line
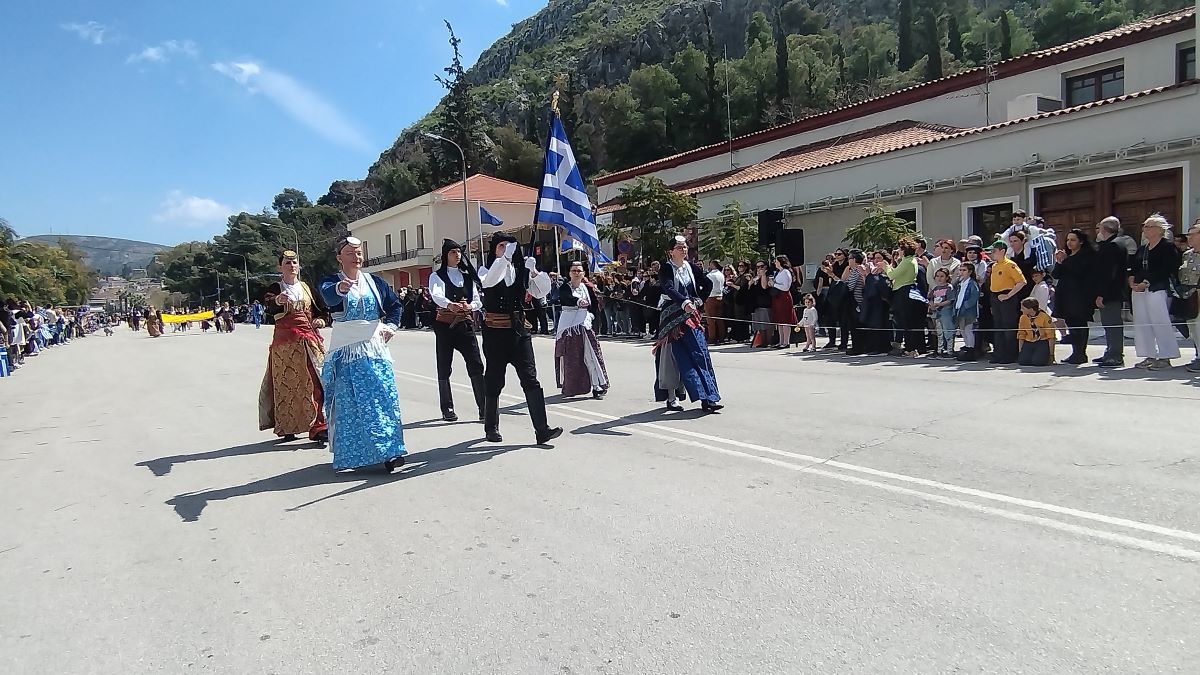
814	463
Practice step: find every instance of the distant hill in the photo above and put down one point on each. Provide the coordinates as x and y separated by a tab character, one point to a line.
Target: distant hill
107	255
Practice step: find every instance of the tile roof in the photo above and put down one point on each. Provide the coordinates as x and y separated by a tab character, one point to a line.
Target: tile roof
870	142
1131	33
489	189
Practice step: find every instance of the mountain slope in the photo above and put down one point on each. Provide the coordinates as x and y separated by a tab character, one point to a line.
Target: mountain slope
106	255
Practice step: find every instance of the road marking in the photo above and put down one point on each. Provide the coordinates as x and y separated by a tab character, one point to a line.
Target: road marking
814	464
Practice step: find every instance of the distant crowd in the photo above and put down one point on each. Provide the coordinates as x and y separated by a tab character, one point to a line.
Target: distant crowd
26	330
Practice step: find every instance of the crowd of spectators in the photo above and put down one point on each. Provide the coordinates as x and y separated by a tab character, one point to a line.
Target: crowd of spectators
26	329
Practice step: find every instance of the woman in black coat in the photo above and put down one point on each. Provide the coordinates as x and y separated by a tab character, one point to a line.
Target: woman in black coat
1075	292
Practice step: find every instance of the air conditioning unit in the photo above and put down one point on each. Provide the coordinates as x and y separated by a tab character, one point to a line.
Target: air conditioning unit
1028	105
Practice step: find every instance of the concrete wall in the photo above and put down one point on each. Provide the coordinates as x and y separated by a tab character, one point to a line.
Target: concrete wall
1147	65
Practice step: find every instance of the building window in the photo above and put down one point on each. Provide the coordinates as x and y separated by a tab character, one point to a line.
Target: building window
420	236
1185	64
387	244
1095	86
404	240
990	220
909	216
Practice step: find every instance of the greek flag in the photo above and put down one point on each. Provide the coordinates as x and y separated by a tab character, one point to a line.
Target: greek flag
563	201
569	244
487	218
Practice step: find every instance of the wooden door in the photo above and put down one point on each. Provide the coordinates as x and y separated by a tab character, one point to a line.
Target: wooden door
1064	207
1137	197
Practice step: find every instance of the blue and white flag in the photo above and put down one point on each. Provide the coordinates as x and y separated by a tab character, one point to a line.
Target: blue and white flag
569	244
562	200
486	217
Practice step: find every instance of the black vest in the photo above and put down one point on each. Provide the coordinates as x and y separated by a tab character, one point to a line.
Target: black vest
455	293
502	299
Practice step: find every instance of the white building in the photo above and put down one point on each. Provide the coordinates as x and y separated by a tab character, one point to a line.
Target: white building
401	243
1107	125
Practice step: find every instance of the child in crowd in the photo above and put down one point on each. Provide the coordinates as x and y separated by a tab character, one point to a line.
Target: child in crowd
1040	290
941	309
1035	335
808	321
966	309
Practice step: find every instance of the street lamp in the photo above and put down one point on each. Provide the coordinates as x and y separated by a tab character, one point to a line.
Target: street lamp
289	227
245	271
466	206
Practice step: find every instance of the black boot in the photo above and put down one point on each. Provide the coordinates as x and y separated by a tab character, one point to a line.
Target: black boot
447	400
535	400
491	420
478	388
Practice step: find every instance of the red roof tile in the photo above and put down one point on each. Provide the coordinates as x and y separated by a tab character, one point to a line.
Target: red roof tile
489	189
871	142
1138	31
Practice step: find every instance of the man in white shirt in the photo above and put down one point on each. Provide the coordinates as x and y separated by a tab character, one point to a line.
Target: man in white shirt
506	338
454	288
714	322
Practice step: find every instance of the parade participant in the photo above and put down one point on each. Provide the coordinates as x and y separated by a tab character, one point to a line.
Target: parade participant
681	359
362	405
578	361
153	323
506	338
290	399
454	288
256	313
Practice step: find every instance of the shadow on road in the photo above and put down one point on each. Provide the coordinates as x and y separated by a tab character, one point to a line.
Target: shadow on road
162	466
656	415
189	506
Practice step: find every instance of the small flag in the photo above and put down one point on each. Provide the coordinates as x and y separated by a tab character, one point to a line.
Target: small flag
569	244
487	218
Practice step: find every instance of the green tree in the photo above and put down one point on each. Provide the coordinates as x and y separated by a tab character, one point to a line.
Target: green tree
933	63
731	236
517	159
1006	48
798	18
954	43
904	24
880	229
783	95
656	212
758	32
1057	22
461	119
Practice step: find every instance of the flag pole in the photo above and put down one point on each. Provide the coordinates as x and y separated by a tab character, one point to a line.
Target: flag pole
479	212
557	229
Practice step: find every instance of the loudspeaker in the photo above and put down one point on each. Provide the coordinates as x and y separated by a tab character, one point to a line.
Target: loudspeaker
770	223
791	244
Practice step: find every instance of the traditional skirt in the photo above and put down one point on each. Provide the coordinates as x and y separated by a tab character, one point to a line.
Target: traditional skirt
362	404
290	399
782	311
579	363
681	360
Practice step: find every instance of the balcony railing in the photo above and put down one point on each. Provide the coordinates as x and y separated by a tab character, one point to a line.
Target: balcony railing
410	254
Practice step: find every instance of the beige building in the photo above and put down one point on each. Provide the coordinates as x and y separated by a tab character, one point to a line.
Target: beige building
1107	125
401	243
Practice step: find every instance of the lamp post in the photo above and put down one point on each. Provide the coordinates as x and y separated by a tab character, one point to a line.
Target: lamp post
466	204
295	234
245	271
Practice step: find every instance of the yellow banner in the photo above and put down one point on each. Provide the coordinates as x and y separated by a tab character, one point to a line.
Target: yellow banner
184	318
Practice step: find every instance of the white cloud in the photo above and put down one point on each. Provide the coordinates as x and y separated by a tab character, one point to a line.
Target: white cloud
191	211
91	31
502	3
297	100
163	51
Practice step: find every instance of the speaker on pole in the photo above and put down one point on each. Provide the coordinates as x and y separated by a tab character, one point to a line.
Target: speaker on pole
770	223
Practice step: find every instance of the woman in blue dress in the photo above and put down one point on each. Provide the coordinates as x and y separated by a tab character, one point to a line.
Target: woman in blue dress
361	402
682	364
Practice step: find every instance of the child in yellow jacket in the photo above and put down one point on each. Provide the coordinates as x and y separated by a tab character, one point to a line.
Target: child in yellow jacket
1035	335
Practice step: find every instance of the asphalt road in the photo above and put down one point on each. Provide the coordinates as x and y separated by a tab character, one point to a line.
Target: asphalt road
868	516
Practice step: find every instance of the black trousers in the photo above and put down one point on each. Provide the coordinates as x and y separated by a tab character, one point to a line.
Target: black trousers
504	347
910	319
1005	317
459	338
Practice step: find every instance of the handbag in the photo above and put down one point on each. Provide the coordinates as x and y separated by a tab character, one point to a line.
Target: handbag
1184	302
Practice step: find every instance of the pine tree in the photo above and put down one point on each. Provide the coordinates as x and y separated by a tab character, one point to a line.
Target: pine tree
1005	36
783	95
933	66
904	18
954	37
713	116
461	117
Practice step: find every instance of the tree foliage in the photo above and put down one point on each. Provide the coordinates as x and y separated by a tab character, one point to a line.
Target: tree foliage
731	236
880	229
40	273
656	213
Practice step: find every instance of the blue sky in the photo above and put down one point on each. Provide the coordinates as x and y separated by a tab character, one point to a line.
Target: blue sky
155	120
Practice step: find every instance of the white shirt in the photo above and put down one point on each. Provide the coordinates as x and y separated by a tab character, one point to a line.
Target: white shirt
1041	293
437	288
782	280
292	290
502	270
809	317
717	277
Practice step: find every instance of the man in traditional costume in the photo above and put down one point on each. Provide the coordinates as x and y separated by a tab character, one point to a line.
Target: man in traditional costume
681	359
455	289
361	401
578	361
290	399
506	340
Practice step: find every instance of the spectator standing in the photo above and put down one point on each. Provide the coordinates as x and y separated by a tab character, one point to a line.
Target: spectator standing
1111	273
714	310
1007	281
1075	293
1189	279
808	321
1155	263
966	309
783	313
908	312
941	308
